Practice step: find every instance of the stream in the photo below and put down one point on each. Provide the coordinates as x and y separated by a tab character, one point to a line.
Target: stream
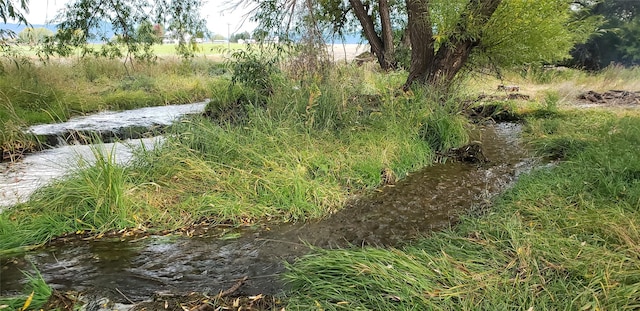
127	269
130	270
121	131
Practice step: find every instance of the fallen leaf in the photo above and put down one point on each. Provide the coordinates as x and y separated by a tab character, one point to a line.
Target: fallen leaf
258	297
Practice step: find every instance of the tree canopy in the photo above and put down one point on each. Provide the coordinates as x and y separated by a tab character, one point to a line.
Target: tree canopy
33	36
127	27
616	41
444	36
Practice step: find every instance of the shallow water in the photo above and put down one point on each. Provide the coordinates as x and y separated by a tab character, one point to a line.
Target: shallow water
20	179
111	123
426	200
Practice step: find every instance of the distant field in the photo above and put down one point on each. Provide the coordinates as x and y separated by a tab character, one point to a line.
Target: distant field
217	50
203	49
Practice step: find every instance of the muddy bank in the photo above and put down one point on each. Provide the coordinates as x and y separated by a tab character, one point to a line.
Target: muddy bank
126	270
609	98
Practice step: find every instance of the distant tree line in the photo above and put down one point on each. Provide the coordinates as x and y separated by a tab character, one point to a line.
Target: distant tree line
617	41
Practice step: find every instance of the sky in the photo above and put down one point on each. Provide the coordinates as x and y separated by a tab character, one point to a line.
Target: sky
219	19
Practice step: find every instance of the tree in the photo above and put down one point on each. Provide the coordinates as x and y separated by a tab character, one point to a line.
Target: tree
10	10
146	33
33	36
130	21
260	34
240	36
445	35
616	41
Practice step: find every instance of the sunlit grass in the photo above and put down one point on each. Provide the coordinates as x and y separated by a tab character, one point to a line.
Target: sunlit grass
300	155
33	93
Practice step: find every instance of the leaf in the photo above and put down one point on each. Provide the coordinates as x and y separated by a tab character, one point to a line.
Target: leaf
27	303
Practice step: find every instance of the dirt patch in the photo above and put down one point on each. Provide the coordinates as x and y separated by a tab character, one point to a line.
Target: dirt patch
199	302
492	111
610	98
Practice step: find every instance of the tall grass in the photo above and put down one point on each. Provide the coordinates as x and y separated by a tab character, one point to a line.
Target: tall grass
33	93
298	155
564	238
92	198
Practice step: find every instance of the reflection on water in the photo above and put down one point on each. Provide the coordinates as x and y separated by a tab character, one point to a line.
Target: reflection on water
426	200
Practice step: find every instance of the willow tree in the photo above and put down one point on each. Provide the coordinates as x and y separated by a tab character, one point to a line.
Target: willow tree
11	10
14	10
447	36
117	23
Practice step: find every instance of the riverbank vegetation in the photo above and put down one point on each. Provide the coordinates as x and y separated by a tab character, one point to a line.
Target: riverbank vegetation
300	150
33	93
295	154
565	237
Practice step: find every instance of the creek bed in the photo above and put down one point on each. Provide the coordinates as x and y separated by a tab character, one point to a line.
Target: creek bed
136	270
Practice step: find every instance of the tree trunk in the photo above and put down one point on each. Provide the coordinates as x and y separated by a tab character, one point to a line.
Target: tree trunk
439	69
387	35
382	47
422	43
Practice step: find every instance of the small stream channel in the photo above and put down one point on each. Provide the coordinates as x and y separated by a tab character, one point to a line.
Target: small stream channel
426	200
131	129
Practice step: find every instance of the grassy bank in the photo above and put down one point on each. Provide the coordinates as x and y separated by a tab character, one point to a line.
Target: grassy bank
564	238
33	93
293	155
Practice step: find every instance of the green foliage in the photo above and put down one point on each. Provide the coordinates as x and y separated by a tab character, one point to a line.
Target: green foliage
300	158
240	36
93	198
614	42
34	36
525	32
444	127
10	10
148	33
83	21
255	67
32	94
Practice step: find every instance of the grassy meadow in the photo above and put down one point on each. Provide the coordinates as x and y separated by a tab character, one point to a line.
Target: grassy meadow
294	147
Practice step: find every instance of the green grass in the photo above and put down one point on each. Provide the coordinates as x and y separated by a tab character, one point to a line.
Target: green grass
37	293
298	154
564	238
33	93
